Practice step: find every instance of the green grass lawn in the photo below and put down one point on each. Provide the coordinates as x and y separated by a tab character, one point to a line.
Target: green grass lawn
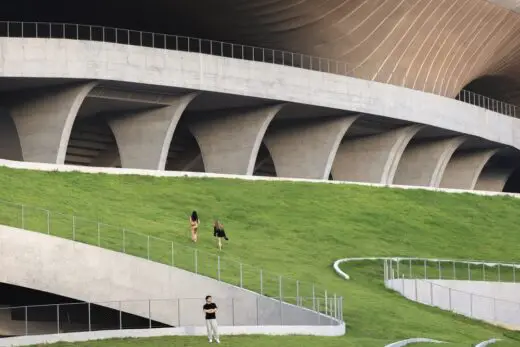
293	229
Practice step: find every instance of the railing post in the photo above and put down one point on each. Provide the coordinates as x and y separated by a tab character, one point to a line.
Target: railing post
280	287
148	247
73	228
469	271
233	310
335	306
318	310
218	268
124	240
261	282
48	222
99	234
298	293
241	277
483	272
514	274
425	270
326	304
120	317
411	271
58	318
499	277
173	256
440	271
313	297
89	318
77	31
149	314
398	261
454	271
26	322
196	262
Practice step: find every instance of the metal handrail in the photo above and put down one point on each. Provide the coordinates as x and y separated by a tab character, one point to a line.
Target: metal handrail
215	48
221	268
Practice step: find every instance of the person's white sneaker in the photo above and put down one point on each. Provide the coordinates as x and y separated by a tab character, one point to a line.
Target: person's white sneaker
217	340
210	341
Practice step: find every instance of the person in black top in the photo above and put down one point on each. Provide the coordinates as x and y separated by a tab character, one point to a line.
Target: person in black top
210	309
219	233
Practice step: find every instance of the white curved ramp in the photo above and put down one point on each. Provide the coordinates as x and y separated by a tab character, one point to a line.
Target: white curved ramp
52	264
412	341
488	343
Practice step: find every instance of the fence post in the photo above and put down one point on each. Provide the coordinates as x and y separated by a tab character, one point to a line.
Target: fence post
499	273
148	247
149	314
454	271
326	304
397	266
23	209
483	272
261	282
469	271
73	228
241	276
99	234
218	268
318	310
120	317
58	318
48	222
173	256
335	306
89	318
297	293
425	270
280	287
233	311
514	274
313	298
124	240
440	271
26	324
196	262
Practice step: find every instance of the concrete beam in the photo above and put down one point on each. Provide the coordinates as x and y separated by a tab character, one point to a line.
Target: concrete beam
44	120
230	142
372	159
144	138
307	149
493	179
423	164
464	169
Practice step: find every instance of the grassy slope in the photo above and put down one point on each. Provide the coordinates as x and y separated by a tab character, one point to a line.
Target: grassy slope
304	227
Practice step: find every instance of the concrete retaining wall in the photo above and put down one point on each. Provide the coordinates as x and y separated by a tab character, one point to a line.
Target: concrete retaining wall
97	275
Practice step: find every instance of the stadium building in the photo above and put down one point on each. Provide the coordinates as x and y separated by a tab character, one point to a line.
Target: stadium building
418	93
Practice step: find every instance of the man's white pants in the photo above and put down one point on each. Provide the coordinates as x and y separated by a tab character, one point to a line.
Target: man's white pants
212	326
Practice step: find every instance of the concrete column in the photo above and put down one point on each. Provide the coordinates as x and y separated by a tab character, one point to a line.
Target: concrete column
423	164
44	120
493	179
464	169
229	143
144	138
307	149
372	159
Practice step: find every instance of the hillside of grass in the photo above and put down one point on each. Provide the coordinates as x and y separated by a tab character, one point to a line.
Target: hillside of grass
297	230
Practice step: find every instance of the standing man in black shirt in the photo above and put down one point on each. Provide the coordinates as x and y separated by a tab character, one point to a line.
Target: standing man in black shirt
210	309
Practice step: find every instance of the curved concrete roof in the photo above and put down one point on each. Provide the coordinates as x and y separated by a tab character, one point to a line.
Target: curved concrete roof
432	45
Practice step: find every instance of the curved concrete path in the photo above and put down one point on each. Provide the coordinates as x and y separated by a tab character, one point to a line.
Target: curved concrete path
412	341
488	343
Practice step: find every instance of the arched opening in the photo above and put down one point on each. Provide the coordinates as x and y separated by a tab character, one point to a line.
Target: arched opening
10	147
264	165
513	182
184	153
92	143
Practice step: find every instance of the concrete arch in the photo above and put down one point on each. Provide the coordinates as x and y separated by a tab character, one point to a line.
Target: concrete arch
44	120
424	163
144	137
372	159
493	179
307	149
230	141
9	140
464	169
